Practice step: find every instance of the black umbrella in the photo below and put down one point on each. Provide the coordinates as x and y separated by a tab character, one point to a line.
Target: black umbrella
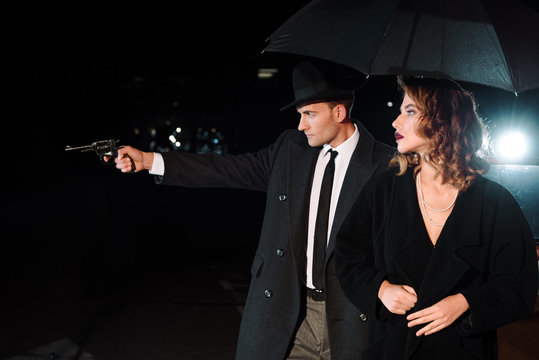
488	42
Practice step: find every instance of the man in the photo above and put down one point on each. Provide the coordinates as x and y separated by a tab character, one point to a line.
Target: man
290	314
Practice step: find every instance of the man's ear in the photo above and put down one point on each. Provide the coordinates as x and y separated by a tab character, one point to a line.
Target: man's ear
340	111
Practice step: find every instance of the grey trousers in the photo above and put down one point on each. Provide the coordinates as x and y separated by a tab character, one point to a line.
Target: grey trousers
311	342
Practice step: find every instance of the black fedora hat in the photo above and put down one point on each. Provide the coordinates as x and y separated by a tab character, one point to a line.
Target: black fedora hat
317	79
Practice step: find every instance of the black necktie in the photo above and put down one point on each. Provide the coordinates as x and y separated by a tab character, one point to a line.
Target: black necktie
321	228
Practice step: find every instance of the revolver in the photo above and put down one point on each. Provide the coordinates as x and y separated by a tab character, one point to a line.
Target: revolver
102	148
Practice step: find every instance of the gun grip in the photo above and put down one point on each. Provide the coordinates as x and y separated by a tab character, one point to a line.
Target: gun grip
133	167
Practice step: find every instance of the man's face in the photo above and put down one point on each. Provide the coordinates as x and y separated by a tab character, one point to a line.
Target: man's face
319	123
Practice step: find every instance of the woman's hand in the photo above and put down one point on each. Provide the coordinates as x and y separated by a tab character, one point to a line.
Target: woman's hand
440	315
397	298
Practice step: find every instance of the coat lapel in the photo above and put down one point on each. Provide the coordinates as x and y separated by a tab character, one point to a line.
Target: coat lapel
360	170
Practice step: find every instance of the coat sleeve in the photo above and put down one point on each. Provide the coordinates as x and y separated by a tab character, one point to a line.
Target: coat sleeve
355	245
510	289
248	171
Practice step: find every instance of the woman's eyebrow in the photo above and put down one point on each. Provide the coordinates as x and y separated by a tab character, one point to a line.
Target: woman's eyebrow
406	107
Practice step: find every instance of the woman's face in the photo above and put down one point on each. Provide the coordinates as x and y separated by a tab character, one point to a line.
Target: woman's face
405	128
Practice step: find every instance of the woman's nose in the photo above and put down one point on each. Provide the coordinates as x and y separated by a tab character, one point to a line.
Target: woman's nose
395	122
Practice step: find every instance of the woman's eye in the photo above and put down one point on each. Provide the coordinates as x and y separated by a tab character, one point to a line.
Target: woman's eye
410	112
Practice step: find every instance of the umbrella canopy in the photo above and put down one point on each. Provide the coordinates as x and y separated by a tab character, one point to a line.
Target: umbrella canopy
488	42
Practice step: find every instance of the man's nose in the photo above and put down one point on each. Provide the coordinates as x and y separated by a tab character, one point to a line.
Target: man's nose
301	125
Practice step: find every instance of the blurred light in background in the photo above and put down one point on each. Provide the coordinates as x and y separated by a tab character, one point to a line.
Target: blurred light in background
511	146
210	141
174	138
264	73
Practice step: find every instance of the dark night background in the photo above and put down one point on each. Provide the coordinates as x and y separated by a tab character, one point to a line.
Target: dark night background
82	240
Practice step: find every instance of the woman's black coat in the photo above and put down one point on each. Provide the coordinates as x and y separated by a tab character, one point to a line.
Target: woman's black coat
486	251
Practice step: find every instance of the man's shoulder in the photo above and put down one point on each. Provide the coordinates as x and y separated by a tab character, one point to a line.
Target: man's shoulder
291	135
380	185
379	147
387	175
384	148
375	153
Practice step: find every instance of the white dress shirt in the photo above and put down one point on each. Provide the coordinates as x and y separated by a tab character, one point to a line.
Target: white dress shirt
342	160
158	165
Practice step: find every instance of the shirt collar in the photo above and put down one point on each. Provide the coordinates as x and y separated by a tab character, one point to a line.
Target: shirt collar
347	147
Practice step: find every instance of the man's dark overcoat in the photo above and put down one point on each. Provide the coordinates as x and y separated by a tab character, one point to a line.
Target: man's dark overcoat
485	251
276	299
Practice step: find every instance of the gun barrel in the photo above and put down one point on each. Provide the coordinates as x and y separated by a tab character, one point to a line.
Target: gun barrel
82	148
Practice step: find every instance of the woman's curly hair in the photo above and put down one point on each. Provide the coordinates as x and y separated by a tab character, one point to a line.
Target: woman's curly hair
452	128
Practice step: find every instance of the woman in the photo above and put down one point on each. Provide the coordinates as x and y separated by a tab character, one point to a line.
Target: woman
438	255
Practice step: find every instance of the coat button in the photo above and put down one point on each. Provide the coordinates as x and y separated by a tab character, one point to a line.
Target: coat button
282	197
280	252
363	317
268	293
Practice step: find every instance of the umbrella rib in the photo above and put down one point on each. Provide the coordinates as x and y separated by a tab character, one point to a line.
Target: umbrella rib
513	84
417	15
442	44
384	35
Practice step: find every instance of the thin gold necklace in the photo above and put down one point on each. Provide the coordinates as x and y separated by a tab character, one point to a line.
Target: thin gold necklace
425	205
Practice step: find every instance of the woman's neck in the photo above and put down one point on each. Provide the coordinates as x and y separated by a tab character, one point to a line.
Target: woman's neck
432	180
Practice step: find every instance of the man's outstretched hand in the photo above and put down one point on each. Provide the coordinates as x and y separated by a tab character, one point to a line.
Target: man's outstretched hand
132	160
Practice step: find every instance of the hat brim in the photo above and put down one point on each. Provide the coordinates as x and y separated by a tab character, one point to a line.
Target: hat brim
323	96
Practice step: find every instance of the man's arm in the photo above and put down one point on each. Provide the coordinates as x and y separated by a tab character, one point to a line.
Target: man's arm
245	171
249	171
